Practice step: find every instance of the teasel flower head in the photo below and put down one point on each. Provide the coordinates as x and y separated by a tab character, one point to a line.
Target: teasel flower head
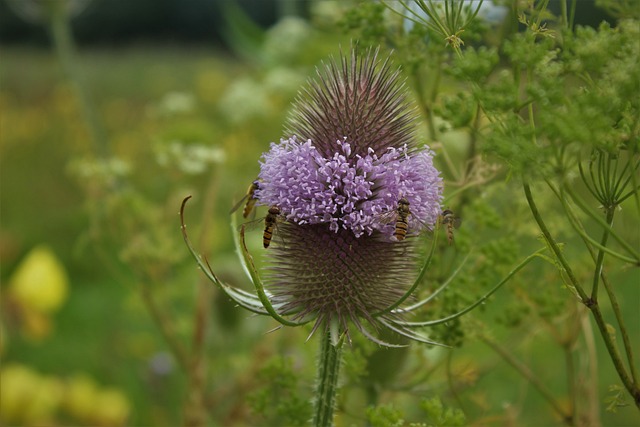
337	178
349	157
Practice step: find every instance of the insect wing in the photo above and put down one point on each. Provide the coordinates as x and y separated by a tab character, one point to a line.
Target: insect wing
250	199
237	205
416	225
254	224
260	224
388	217
448	218
457	222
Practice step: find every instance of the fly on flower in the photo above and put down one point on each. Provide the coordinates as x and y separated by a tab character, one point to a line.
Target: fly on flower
271	221
250	198
450	221
400	217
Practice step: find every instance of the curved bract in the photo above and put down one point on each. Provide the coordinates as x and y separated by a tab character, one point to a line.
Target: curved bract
262	302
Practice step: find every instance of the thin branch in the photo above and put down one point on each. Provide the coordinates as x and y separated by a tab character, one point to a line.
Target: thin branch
436	292
479	301
600	258
597	218
631	387
165	326
529	376
553	245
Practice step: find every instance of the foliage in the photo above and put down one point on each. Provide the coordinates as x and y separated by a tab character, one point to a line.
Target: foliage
435	414
535	122
281	400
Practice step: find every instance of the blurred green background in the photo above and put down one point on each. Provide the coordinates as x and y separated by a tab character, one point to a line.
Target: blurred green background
98	289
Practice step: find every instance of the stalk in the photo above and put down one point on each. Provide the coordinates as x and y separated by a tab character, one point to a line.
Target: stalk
531	377
195	408
600	260
553	245
65	49
602	222
327	381
612	297
165	325
609	343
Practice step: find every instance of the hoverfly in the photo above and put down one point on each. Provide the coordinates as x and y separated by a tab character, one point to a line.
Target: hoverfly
250	200
451	221
400	215
271	220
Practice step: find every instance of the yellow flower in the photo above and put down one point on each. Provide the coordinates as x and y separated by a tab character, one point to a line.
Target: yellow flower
111	408
40	282
26	397
80	397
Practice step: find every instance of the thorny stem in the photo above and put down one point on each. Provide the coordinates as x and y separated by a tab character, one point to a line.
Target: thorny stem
629	384
327	381
529	376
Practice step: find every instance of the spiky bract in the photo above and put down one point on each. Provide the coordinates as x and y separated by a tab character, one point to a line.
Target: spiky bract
350	156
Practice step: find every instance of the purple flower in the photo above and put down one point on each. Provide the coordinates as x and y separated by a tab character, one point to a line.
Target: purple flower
349	191
350	156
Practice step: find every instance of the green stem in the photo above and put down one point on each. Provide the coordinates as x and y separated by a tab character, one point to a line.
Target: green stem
471	154
623	329
575	222
423	103
588	241
572	14
600	259
542	7
195	408
571	380
598	218
563	13
327	381
553	245
629	384
591	401
531	377
165	325
631	387
65	49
